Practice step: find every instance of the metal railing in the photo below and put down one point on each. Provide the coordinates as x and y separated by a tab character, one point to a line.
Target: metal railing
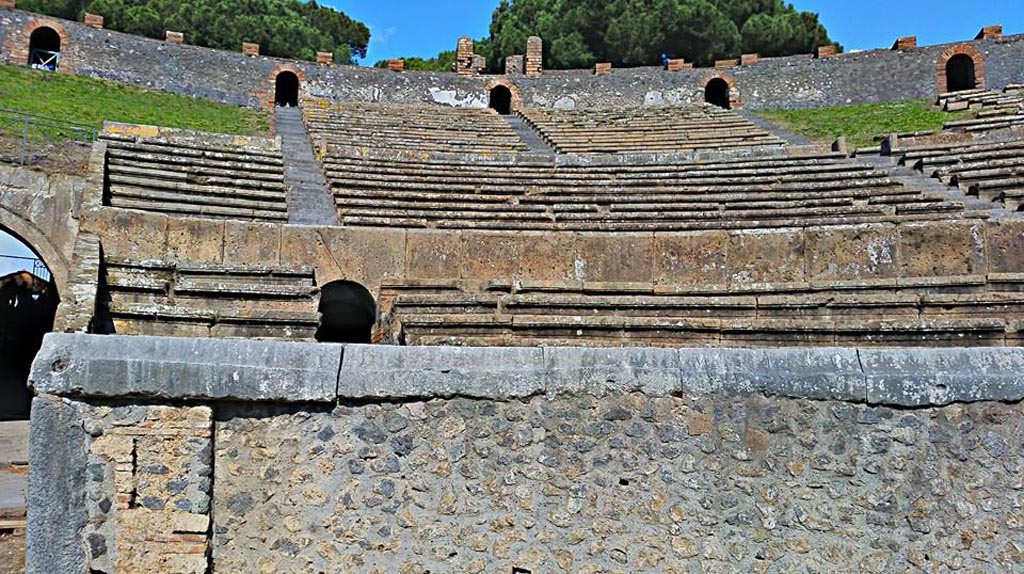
39	269
30	139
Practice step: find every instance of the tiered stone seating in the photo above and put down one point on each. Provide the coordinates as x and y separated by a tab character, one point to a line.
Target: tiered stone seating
994	110
155	298
410	190
934	311
204	175
419	128
647	130
989	170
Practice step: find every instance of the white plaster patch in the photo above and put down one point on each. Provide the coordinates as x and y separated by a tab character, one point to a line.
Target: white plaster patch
565	103
653	98
453	99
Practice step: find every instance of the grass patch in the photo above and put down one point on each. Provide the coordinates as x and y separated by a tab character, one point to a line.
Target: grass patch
862	122
90	101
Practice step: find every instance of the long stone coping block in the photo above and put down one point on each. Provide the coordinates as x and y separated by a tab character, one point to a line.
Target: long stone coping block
180	368
248	370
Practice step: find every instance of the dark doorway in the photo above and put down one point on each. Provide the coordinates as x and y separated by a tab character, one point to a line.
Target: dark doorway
717	93
28	304
286	90
44	49
347	313
501	100
960	74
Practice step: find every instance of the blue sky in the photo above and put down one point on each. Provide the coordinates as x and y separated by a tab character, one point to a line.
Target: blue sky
424	28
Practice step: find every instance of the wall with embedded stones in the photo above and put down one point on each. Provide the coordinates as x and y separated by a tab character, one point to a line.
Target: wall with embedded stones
793	82
201	456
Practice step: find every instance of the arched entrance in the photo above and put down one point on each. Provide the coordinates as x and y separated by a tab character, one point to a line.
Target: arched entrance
28	304
44	49
347	313
960	73
286	90
716	93
501	100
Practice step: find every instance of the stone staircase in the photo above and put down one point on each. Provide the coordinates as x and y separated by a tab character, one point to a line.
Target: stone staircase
309	200
529	136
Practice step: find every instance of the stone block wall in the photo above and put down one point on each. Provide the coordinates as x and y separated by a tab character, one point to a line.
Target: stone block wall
229	76
522	460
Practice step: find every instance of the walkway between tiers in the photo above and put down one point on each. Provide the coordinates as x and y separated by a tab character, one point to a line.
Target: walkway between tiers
309	199
529	136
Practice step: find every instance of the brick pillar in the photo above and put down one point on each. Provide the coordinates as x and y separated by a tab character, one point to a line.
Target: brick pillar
8	4
397	65
676	64
175	37
726	63
464	56
250	49
749	59
905	43
514	65
324	58
826	51
987	32
533	62
94	21
602	68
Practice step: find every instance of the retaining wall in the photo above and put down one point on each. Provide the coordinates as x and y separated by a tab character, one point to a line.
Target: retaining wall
203	456
792	82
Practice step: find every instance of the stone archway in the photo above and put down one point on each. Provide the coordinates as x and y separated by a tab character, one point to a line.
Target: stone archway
286	89
268	94
347	313
20	44
517	98
960	67
37	240
712	84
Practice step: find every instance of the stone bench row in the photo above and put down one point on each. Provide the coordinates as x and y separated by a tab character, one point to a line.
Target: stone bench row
153	298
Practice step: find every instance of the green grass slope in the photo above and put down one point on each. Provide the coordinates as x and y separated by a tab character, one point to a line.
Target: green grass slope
89	101
861	123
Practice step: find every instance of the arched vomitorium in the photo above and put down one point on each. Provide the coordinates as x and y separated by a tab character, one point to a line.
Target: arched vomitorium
501	100
286	89
28	303
960	67
716	92
44	49
960	73
348	313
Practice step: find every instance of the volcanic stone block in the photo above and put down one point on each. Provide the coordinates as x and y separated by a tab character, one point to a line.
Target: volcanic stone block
766	256
529	255
599	372
298	246
622	257
941	248
366	256
128	235
1004	242
195	240
514	65
252	244
434	254
852	252
698	258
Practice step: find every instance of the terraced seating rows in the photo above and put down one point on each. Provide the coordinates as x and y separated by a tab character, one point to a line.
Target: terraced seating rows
647	130
933	311
991	171
397	190
994	110
156	298
419	128
190	176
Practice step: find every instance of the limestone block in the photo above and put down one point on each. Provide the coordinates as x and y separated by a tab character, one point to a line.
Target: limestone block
614	258
366	256
195	240
924	377
766	256
435	254
252	244
599	372
942	248
852	252
698	258
298	246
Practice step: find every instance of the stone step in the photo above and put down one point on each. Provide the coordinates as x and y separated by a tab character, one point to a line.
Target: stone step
309	198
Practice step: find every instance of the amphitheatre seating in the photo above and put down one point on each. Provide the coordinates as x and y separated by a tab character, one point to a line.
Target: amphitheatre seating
418	128
206	175
410	190
647	130
994	110
934	311
989	170
155	298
